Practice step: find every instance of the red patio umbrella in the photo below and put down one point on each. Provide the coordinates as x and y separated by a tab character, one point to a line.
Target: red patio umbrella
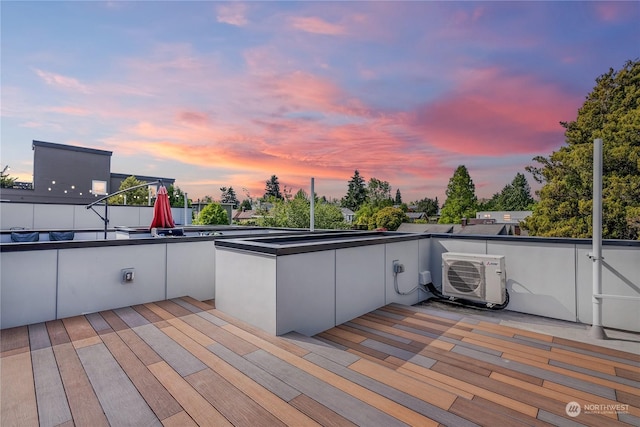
162	217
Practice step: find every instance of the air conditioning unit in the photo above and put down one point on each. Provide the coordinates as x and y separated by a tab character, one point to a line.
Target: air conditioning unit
474	277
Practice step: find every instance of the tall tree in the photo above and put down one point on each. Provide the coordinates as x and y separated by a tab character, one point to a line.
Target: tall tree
272	188
398	200
356	193
229	196
610	112
513	197
461	198
379	193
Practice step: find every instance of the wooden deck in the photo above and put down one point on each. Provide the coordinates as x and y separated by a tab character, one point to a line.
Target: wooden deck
182	363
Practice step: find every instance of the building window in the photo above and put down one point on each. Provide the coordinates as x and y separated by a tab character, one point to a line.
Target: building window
487	215
506	217
99	187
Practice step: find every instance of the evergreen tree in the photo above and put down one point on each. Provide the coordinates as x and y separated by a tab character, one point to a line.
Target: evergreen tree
610	112
273	188
461	198
246	205
428	206
356	193
398	200
513	197
229	196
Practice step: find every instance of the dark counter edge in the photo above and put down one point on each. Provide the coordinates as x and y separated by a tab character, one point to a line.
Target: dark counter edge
245	243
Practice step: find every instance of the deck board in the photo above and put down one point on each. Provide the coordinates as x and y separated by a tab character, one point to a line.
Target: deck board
17	392
53	408
181	362
83	402
119	398
156	396
237	407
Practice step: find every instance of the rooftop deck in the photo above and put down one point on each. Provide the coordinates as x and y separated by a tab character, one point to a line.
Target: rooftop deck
182	362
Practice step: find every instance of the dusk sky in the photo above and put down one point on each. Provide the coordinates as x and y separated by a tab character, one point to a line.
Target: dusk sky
227	94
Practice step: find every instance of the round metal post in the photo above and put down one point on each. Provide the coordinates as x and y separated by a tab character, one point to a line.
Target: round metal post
596	329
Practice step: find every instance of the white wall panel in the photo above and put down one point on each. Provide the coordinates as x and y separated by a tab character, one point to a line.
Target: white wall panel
407	254
13	215
620	276
360	284
540	277
306	292
191	270
27	287
53	217
89	280
246	287
86	218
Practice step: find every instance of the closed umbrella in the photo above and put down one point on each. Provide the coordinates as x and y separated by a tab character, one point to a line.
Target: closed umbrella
162	217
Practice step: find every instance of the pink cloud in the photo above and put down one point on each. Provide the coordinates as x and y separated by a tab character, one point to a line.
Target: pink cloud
233	14
615	11
495	114
316	26
62	82
192	118
72	111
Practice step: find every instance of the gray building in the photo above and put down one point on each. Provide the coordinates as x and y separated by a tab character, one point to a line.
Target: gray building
69	174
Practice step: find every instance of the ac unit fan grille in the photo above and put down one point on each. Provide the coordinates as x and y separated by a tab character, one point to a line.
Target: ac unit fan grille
464	276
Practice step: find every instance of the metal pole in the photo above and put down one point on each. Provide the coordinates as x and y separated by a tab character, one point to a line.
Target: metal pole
185	209
106	217
313	208
596	329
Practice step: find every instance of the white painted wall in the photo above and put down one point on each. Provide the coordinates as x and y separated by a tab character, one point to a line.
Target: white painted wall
27	287
19	215
305	292
540	278
40	216
407	254
191	270
549	279
90	280
246	287
359	282
555	279
620	276
42	285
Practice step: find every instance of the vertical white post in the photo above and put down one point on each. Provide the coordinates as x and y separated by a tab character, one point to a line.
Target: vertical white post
313	208
186	210
596	329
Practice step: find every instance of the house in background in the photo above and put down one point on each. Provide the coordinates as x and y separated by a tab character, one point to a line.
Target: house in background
68	174
416	215
348	215
511	219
